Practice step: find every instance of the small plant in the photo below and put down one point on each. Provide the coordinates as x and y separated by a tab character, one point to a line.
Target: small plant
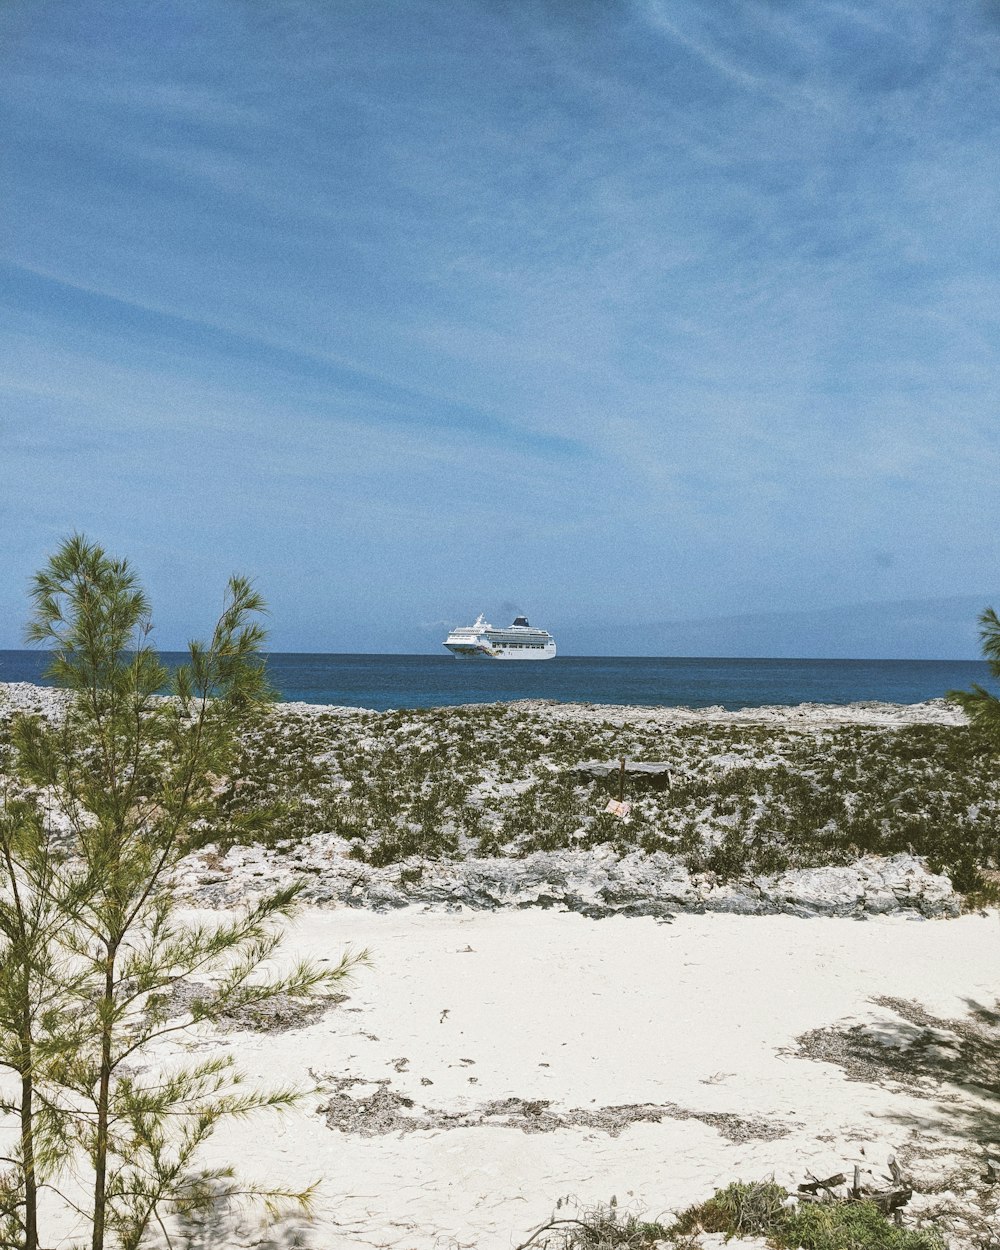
603	1227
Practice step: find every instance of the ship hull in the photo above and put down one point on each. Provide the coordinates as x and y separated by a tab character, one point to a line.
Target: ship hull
462	651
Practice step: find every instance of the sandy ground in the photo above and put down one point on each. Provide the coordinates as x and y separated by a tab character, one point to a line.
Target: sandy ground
700	1015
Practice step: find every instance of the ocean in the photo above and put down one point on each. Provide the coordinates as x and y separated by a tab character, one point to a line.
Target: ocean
409	681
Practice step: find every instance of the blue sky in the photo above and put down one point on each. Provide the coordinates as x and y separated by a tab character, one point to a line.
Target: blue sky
611	312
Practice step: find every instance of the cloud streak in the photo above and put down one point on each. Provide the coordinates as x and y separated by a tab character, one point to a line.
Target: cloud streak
688	306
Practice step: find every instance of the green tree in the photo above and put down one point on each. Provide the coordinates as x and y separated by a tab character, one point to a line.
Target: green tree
982	707
114	792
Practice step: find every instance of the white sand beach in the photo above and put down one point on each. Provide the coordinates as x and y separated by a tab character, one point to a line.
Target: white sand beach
698	1017
507	1049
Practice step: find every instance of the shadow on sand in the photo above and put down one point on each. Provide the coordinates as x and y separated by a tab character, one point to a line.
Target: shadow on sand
953	1064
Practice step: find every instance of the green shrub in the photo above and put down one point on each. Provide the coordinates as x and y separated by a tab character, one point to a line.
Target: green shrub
851	1226
740	1210
757	1209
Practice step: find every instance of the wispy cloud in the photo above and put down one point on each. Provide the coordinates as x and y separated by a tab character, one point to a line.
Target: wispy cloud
569	298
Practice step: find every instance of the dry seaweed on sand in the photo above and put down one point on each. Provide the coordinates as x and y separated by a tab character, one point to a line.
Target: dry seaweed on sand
385	1110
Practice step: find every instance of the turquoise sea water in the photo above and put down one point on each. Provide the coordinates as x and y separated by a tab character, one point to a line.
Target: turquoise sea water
395	681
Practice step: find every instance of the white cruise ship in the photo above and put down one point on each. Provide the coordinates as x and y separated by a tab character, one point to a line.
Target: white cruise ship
517	642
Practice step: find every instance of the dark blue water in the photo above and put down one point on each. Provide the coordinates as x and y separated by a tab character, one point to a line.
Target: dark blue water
391	681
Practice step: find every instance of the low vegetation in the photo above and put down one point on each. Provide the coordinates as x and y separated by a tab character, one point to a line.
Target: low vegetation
745	799
759	1209
762	1209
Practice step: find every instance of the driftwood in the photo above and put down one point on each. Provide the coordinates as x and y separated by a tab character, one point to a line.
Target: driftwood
889	1201
814	1185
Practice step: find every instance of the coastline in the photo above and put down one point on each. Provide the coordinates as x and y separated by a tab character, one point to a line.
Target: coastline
599	881
387	681
503	1052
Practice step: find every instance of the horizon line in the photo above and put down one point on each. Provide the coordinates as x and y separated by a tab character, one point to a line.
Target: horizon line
753	659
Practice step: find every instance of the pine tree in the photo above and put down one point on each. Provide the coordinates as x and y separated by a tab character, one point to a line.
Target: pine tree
982	707
102	964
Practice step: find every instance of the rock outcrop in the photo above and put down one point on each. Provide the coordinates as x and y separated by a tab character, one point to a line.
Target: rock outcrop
594	883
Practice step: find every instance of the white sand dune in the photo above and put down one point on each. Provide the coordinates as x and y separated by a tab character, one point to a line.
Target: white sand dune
701	1014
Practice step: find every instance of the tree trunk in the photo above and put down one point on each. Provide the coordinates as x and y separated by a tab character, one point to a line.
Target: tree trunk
28	1150
103	1099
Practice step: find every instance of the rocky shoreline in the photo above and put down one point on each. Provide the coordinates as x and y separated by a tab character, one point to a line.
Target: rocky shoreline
597	884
